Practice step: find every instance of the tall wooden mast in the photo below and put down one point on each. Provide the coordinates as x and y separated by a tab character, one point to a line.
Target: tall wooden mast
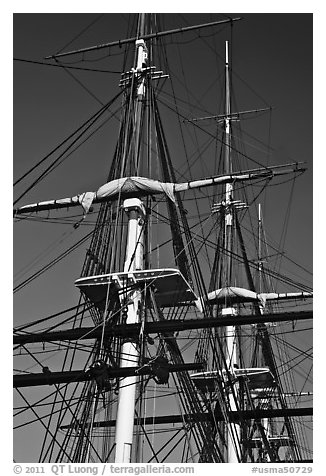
133	262
233	429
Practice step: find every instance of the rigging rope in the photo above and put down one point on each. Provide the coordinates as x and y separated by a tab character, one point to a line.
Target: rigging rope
89	123
66	66
94	116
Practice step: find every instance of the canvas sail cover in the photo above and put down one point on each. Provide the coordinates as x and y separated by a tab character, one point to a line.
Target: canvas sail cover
142	186
135	185
241	295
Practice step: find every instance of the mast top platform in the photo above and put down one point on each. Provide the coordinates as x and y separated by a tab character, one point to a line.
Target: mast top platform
257	378
170	287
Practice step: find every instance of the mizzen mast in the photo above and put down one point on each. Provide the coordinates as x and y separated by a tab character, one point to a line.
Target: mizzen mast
233	429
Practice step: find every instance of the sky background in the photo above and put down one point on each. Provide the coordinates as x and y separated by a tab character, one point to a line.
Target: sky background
272	53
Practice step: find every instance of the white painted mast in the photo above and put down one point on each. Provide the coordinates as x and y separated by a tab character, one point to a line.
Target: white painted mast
133	262
260	264
130	349
265	421
233	429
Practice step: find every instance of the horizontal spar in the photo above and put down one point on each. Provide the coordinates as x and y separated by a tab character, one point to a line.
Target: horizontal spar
176	325
149	36
51	378
193	418
141	187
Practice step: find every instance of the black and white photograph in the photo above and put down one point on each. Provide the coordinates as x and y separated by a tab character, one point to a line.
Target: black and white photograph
162	238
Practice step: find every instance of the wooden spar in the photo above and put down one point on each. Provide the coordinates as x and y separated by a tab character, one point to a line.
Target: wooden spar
192	418
175	325
232	115
242	295
145	37
241	176
53	378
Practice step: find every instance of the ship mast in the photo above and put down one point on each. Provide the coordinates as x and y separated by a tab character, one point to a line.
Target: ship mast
135	210
228	169
260	264
233	429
